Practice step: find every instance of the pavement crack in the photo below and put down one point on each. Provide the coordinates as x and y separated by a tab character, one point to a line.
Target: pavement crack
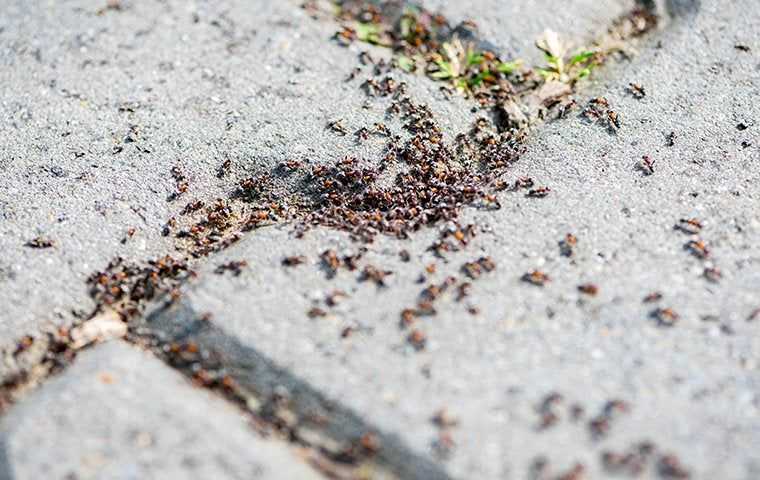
37	357
342	443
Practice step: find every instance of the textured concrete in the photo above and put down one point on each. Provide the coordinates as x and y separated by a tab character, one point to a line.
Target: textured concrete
99	104
692	388
119	413
164	84
513	27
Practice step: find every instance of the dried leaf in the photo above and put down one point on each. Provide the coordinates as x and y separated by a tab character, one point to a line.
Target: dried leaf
551	44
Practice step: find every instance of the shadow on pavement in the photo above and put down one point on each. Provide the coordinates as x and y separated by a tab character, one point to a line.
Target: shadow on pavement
6	473
255	372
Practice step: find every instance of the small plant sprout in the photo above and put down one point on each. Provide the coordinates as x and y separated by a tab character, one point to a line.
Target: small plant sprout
561	65
406	63
467	68
447	64
369	32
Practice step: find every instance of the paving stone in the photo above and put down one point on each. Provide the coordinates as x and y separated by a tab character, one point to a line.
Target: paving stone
691	388
99	105
119	413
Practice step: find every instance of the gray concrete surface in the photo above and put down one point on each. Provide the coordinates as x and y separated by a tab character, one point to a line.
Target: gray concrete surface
514	27
196	84
166	85
119	413
692	388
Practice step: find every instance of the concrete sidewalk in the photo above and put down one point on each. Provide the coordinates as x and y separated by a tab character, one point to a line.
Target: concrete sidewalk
513	380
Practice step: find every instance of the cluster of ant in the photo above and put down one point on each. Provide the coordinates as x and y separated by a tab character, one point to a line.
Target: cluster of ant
411	32
634	461
207	228
433	180
598	111
181	183
420	38
599	426
331	263
126	287
433	292
540	469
